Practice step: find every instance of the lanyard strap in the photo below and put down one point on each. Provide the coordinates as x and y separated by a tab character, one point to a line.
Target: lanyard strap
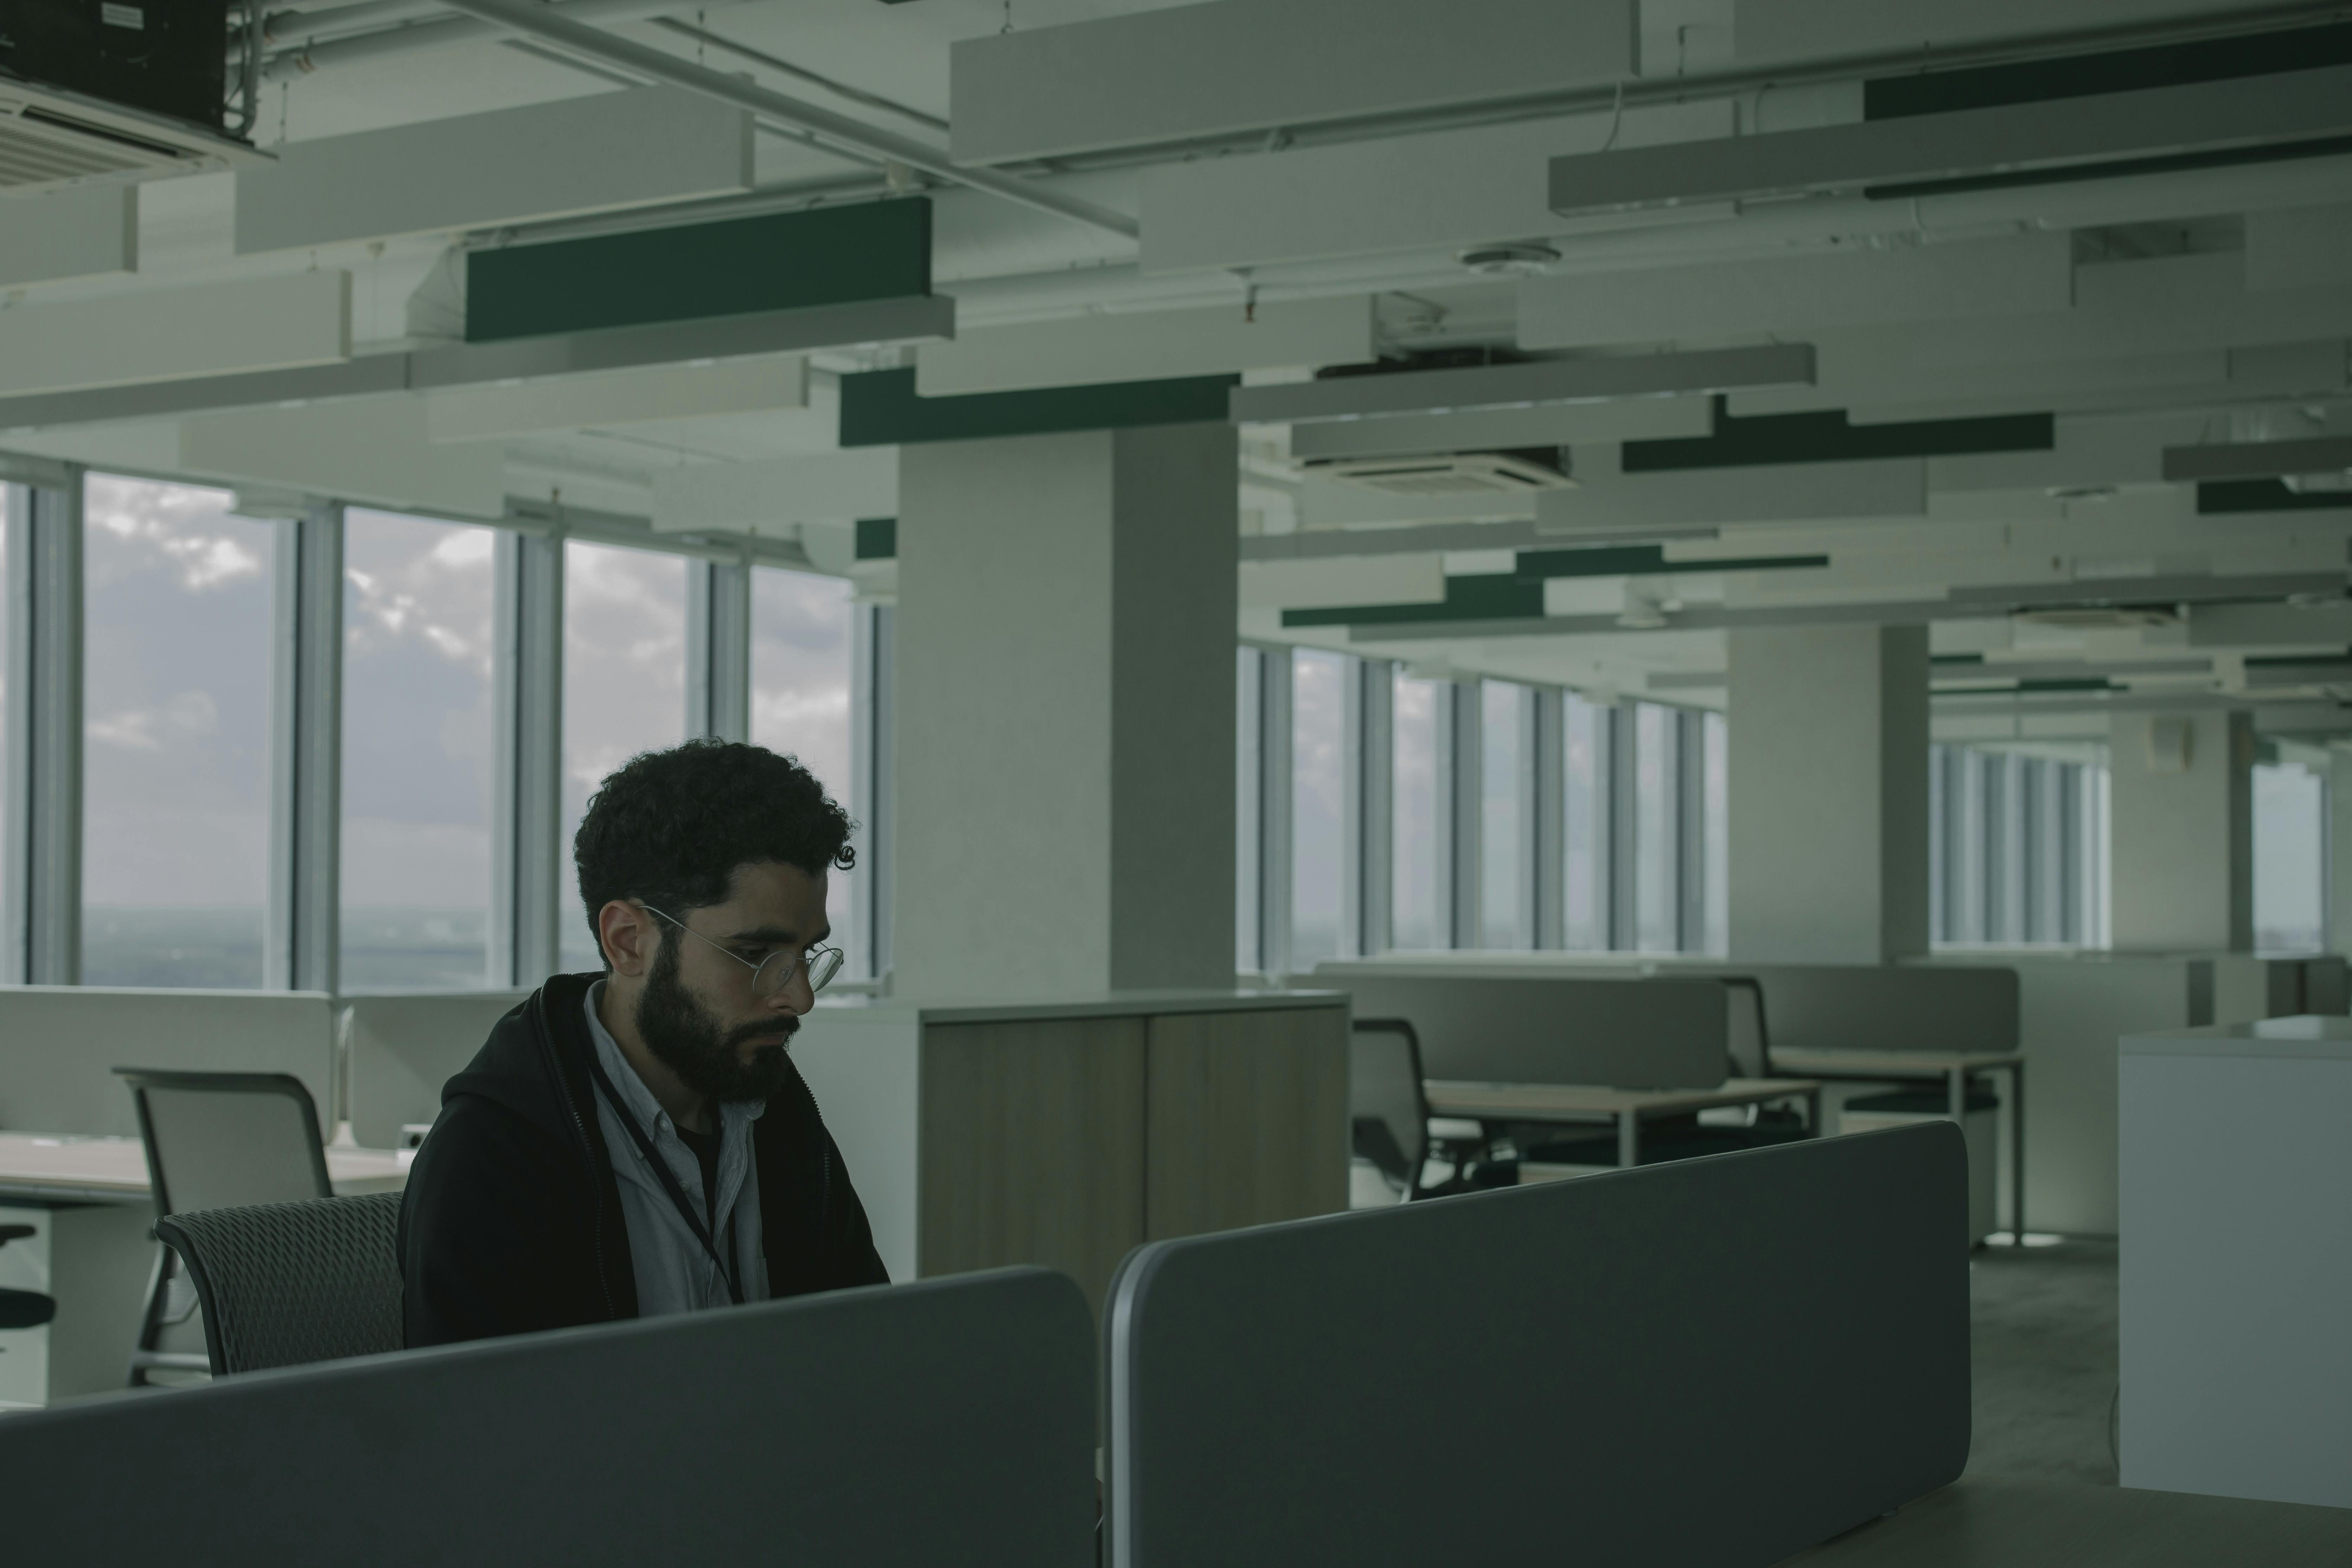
729	1273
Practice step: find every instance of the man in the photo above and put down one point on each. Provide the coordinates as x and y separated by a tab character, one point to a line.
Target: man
639	1142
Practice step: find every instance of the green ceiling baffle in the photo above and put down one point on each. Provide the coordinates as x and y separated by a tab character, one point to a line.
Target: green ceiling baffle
738	267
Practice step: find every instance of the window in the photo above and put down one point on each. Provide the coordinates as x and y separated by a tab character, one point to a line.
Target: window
176	705
624	686
1718	836
1657	867
1319	789
1420	857
1506	852
1584	837
2017	847
2290	858
1248	769
802	636
419	716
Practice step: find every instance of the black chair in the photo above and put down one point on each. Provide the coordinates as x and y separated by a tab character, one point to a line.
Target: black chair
283	1284
1389	1117
23	1309
215	1140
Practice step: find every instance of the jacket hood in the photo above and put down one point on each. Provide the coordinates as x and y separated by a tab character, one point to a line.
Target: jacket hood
516	1067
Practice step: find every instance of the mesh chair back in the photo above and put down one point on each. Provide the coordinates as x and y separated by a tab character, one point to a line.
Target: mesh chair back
1751	1048
1385	1105
225	1139
282	1284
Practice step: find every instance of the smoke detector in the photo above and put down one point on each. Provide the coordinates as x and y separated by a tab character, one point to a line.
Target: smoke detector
1452	474
1514	260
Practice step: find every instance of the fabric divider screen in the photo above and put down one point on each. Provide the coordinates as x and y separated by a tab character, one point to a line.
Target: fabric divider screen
1715	1363
1656	1034
399	1050
59	1046
950	1421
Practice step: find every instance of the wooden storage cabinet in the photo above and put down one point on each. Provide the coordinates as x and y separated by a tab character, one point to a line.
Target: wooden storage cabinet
1065	1134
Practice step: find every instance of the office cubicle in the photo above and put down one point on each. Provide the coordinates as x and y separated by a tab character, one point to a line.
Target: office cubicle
951	1421
59	1046
1539	1028
1718	1360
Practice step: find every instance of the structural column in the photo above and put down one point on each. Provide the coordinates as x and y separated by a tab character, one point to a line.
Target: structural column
1828	818
1064	724
2181	821
528	886
718	650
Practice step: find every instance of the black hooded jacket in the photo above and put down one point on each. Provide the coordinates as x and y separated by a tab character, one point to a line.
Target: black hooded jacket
513	1222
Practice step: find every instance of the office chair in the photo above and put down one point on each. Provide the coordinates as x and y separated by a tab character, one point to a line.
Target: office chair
216	1140
23	1309
1388	1114
282	1284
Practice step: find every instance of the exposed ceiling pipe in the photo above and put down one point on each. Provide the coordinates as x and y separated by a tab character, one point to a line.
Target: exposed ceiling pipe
415	24
857	95
530	18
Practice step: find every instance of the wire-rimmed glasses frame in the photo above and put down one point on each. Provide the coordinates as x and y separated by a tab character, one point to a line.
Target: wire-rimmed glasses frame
773	972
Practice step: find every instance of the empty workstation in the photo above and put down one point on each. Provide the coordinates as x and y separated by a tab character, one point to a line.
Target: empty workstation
1156	782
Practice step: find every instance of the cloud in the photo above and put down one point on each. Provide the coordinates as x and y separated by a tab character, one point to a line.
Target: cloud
189	715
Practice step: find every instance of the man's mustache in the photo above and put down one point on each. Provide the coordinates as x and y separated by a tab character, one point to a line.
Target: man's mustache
787	1026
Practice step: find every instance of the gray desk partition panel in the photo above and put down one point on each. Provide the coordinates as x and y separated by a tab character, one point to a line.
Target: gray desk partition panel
1897	1008
1647	1034
59	1046
400	1050
1711	1363
949	1421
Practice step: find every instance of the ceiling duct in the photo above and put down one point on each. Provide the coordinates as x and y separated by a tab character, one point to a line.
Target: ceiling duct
2102	618
1515	473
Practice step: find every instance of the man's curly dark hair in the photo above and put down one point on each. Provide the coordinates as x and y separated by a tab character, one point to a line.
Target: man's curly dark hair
670	827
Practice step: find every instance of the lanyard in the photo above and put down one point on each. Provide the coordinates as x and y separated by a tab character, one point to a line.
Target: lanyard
728	1272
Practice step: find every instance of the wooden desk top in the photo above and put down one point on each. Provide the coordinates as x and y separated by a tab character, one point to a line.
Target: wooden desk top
1992	1522
64	1167
1535	1101
1890	1064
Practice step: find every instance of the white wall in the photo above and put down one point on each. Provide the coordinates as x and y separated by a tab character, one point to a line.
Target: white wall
2182	841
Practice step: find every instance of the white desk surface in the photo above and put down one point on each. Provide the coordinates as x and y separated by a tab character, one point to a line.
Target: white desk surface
1992	1522
1500	1101
1895	1064
53	1167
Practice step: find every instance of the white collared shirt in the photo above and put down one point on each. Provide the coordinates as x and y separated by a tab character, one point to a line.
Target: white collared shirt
674	1274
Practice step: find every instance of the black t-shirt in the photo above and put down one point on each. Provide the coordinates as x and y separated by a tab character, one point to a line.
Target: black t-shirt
706	1154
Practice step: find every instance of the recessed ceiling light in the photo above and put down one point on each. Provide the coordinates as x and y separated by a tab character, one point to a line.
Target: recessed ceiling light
2081	492
1508	260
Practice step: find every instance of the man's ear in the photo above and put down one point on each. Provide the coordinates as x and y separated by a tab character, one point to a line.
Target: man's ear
629	938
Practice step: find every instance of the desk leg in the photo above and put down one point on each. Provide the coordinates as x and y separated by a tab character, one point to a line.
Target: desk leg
2017	1151
1813	1127
1628	1140
1959	1097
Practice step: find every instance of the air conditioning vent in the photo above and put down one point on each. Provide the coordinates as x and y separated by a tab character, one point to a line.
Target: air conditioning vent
50	139
1452	474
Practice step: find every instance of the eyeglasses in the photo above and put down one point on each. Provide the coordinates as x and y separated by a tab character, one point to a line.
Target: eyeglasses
773	972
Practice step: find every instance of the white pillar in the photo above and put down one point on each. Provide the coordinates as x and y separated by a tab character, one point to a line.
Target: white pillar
2182	819
1066	714
1828	763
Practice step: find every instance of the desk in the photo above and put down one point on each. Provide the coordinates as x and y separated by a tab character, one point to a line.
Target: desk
1992	1522
52	1169
1626	1107
1953	1068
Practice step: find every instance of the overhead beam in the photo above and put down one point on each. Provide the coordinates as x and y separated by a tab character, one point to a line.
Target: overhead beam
596	153
1542	382
2078	135
91	231
475	364
257	324
1245	67
824	125
776	493
1499	430
761	384
2259	460
1149	345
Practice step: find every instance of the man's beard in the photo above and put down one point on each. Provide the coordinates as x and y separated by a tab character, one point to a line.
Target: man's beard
676	1027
